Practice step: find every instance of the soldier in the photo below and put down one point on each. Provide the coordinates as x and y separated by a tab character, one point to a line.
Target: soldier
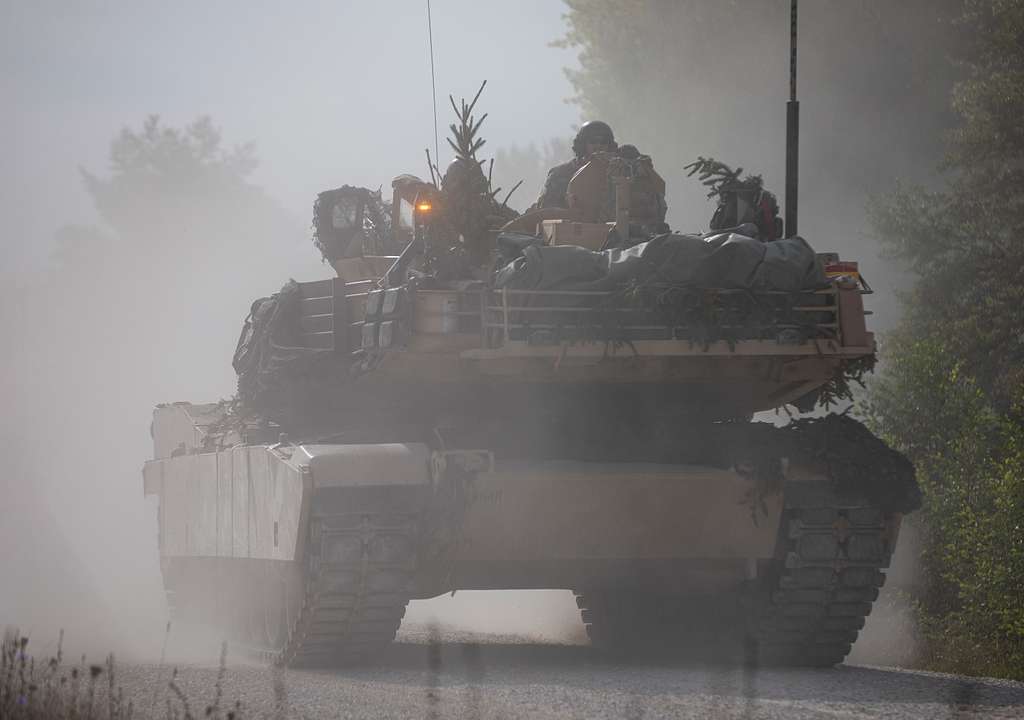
594	136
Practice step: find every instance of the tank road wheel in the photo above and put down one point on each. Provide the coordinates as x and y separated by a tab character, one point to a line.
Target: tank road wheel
811	602
805	607
351	597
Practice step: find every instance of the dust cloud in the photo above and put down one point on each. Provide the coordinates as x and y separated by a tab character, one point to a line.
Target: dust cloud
95	341
890	635
99	326
107	310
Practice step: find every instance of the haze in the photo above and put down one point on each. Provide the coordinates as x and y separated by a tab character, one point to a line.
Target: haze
332	94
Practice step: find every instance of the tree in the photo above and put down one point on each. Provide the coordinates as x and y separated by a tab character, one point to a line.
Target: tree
144	308
684	78
174	196
952	391
160	177
187	243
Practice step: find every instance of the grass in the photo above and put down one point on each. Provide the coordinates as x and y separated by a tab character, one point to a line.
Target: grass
34	688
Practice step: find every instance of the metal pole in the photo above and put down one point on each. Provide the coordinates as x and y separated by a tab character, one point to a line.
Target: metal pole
433	86
792	133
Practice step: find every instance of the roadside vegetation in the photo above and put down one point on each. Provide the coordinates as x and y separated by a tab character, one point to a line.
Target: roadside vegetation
41	688
951	392
909	87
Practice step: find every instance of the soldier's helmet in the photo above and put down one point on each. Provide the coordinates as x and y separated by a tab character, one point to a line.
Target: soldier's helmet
593	132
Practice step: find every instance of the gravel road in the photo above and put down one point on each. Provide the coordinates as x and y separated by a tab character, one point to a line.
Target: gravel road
487	676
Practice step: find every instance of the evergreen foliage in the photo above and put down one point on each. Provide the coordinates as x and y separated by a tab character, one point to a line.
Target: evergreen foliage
952	392
160	177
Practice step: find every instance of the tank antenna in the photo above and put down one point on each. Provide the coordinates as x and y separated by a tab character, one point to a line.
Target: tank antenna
792	132
433	84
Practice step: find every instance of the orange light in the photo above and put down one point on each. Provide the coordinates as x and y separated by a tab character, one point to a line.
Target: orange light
424	207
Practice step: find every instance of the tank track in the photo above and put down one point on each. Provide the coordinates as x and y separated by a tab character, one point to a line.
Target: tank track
358	581
809	611
805	608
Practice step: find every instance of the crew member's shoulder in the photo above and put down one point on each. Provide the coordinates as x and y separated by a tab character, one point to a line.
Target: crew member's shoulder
567	168
556	184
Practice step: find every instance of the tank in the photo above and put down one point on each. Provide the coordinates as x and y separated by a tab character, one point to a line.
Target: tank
561	399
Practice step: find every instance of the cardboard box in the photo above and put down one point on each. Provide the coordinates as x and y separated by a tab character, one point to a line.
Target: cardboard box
568	232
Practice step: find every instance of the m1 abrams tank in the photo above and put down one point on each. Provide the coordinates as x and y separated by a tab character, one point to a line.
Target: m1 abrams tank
578	418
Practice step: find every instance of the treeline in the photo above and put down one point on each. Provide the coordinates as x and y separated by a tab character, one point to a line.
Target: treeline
927	89
142	307
951	394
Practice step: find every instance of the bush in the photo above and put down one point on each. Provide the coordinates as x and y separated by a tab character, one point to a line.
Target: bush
951	392
970	462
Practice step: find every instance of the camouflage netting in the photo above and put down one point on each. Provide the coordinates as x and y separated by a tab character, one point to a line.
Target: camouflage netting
661	424
600	429
283	382
275	374
857	461
351	221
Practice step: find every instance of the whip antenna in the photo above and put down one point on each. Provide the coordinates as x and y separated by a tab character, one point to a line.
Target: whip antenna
792	131
433	85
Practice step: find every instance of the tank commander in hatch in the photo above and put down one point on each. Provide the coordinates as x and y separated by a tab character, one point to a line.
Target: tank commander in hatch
594	136
648	205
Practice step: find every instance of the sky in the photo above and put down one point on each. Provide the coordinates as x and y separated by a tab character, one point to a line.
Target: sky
330	92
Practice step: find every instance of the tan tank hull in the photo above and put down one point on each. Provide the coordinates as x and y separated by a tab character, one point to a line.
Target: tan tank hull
554	524
465	438
462	337
309	553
